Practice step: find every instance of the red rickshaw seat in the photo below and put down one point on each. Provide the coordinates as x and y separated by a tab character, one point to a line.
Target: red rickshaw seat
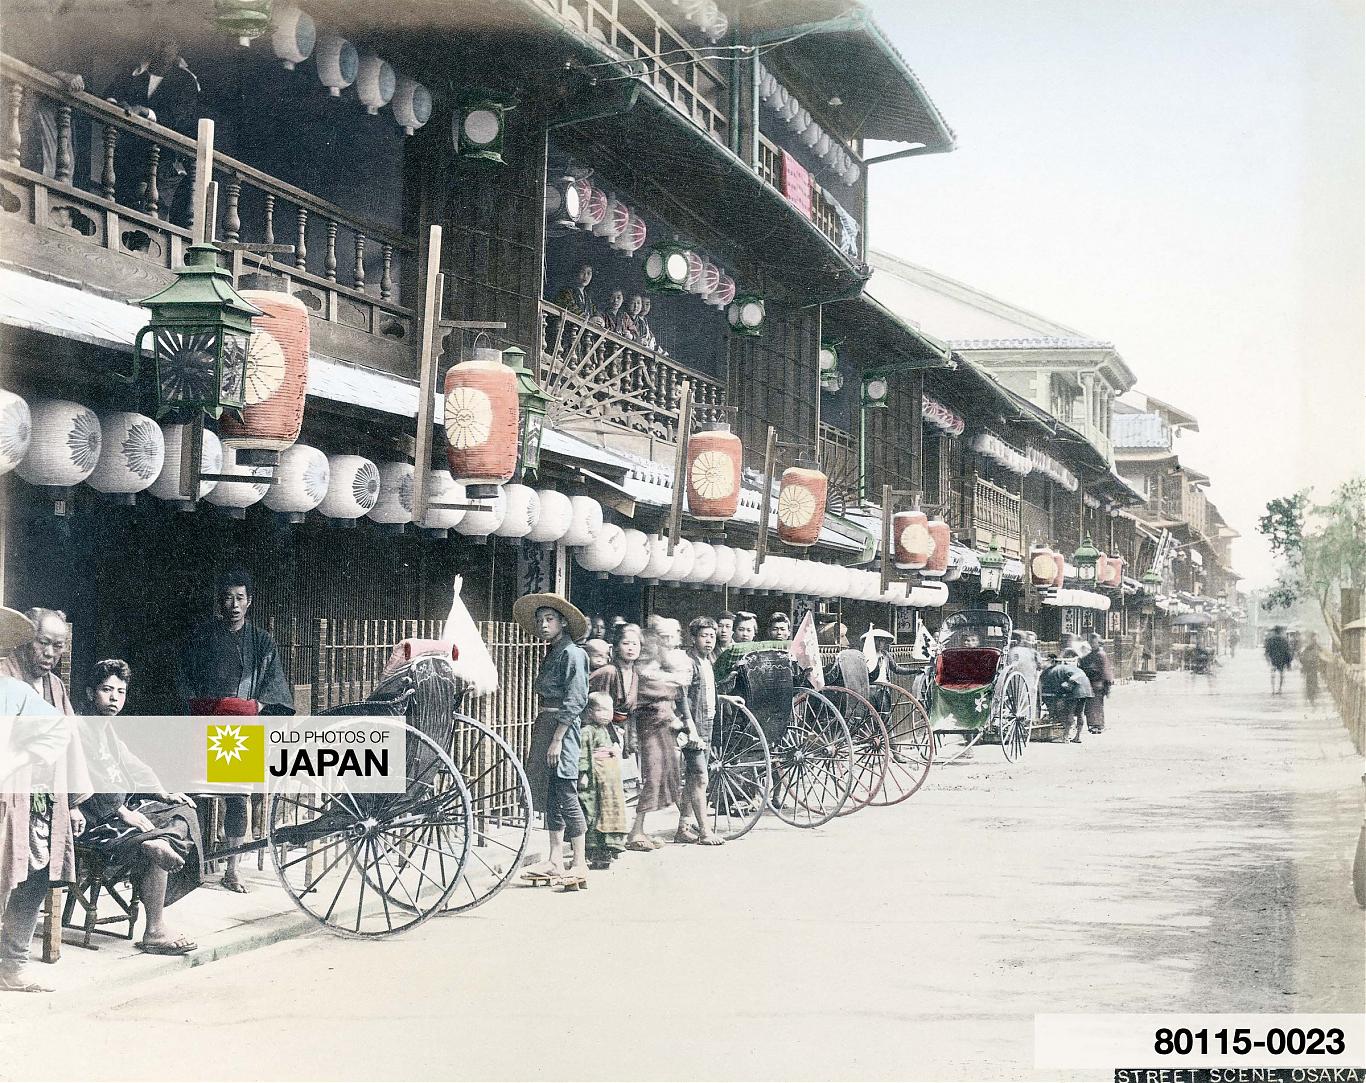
959	669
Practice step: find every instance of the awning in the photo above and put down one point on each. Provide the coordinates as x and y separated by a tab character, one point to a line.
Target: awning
882	333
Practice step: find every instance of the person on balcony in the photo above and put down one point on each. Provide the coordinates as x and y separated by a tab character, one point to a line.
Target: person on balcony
637	328
159	87
577	298
614	317
645	334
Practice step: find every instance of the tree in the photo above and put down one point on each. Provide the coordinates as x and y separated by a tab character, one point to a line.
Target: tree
1322	547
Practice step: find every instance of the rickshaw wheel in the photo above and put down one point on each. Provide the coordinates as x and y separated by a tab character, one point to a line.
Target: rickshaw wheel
335	853
813	763
872	746
1013	711
500	806
739	770
912	746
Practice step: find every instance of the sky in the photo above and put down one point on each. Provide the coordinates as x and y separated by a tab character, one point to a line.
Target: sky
1184	179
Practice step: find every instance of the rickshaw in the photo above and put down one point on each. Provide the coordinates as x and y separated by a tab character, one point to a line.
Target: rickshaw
971	690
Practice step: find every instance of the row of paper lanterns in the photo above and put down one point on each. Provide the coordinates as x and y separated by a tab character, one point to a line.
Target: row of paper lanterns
997	450
1048	568
1050	467
786	104
941	417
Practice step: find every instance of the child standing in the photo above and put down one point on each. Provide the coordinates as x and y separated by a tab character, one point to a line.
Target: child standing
600	789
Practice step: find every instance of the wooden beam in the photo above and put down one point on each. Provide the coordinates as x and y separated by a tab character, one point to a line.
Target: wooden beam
432	284
201	228
765	497
680	462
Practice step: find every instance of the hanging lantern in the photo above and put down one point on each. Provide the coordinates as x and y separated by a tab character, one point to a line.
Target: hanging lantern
714	460
832	382
801	504
479	129
636	555
586	522
605	552
482	523
294	37
680	567
1152	581
1044	565
703	563
555	519
829	356
659	561
1114	572
276	378
744	574
393	508
666	267
942	537
563	202
1086	559
132	453
64	446
531	402
235	497
874	392
711	279
300	483
412	104
352	488
442	489
16	429
522	509
481	422
725	566
912	544
338	63
167	484
632	238
376	83
725	292
746	315
616	218
246	19
697	267
811	134
592	206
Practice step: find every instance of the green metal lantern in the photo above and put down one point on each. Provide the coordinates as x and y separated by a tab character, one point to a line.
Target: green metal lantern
666	267
532	402
829	356
1086	558
746	314
201	332
875	390
247	19
478	127
993	563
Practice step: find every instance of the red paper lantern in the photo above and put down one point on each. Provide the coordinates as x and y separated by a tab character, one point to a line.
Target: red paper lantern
481	420
1045	566
714	459
1111	572
938	563
277	375
912	544
1059	569
801	505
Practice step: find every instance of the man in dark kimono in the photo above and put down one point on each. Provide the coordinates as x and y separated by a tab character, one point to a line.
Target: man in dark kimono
229	666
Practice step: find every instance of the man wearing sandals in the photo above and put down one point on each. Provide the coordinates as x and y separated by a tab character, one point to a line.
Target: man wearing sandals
701	693
42	781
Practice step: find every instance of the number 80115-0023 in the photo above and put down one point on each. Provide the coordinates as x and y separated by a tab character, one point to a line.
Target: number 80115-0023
1241	1041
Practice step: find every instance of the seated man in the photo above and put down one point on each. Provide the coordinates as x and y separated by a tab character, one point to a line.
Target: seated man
779	627
143	832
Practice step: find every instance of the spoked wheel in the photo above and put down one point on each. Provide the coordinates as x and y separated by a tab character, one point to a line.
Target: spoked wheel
872	746
374	864
500	805
1014	714
908	729
813	763
739	769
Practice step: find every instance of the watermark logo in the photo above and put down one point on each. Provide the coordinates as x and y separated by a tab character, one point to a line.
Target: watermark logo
235	753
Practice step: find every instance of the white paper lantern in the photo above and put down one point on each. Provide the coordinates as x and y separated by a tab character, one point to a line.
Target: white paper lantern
300	482
659	560
132	453
352	487
636	556
614	221
680	567
480	524
556	517
851	173
64	445
294	36
442	489
394	506
238	496
605	552
376	82
811	134
725	566
703	562
586	522
338	63
799	121
412	106
929	595
523	509
16	427
743	576
167	483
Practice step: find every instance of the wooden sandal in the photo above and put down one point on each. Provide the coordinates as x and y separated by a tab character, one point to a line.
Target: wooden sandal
572	883
539	879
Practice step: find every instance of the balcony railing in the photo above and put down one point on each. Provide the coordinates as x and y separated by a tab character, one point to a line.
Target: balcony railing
823	213
996	511
348	270
593	376
839	460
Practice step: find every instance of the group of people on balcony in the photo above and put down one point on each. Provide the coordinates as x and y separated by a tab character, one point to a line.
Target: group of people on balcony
626	318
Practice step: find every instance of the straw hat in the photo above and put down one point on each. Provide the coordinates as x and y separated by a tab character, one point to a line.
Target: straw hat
15	629
524	613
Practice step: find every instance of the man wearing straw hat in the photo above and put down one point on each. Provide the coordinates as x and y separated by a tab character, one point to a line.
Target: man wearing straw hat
42	780
562	685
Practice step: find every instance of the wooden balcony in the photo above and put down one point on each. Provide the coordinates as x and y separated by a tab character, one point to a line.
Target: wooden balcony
594	376
839	460
87	192
995	511
823	212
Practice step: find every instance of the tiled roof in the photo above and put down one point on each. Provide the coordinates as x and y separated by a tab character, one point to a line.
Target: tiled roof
1139	431
1031	343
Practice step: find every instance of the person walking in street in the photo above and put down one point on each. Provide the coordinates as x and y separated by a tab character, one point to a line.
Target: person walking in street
1101	673
1278	656
661	714
1232	642
43	781
600	789
1065	689
702	712
1312	661
562	686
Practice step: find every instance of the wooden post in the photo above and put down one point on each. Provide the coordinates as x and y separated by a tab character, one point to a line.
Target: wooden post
433	283
765	498
52	925
202	225
680	462
886	533
917	423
